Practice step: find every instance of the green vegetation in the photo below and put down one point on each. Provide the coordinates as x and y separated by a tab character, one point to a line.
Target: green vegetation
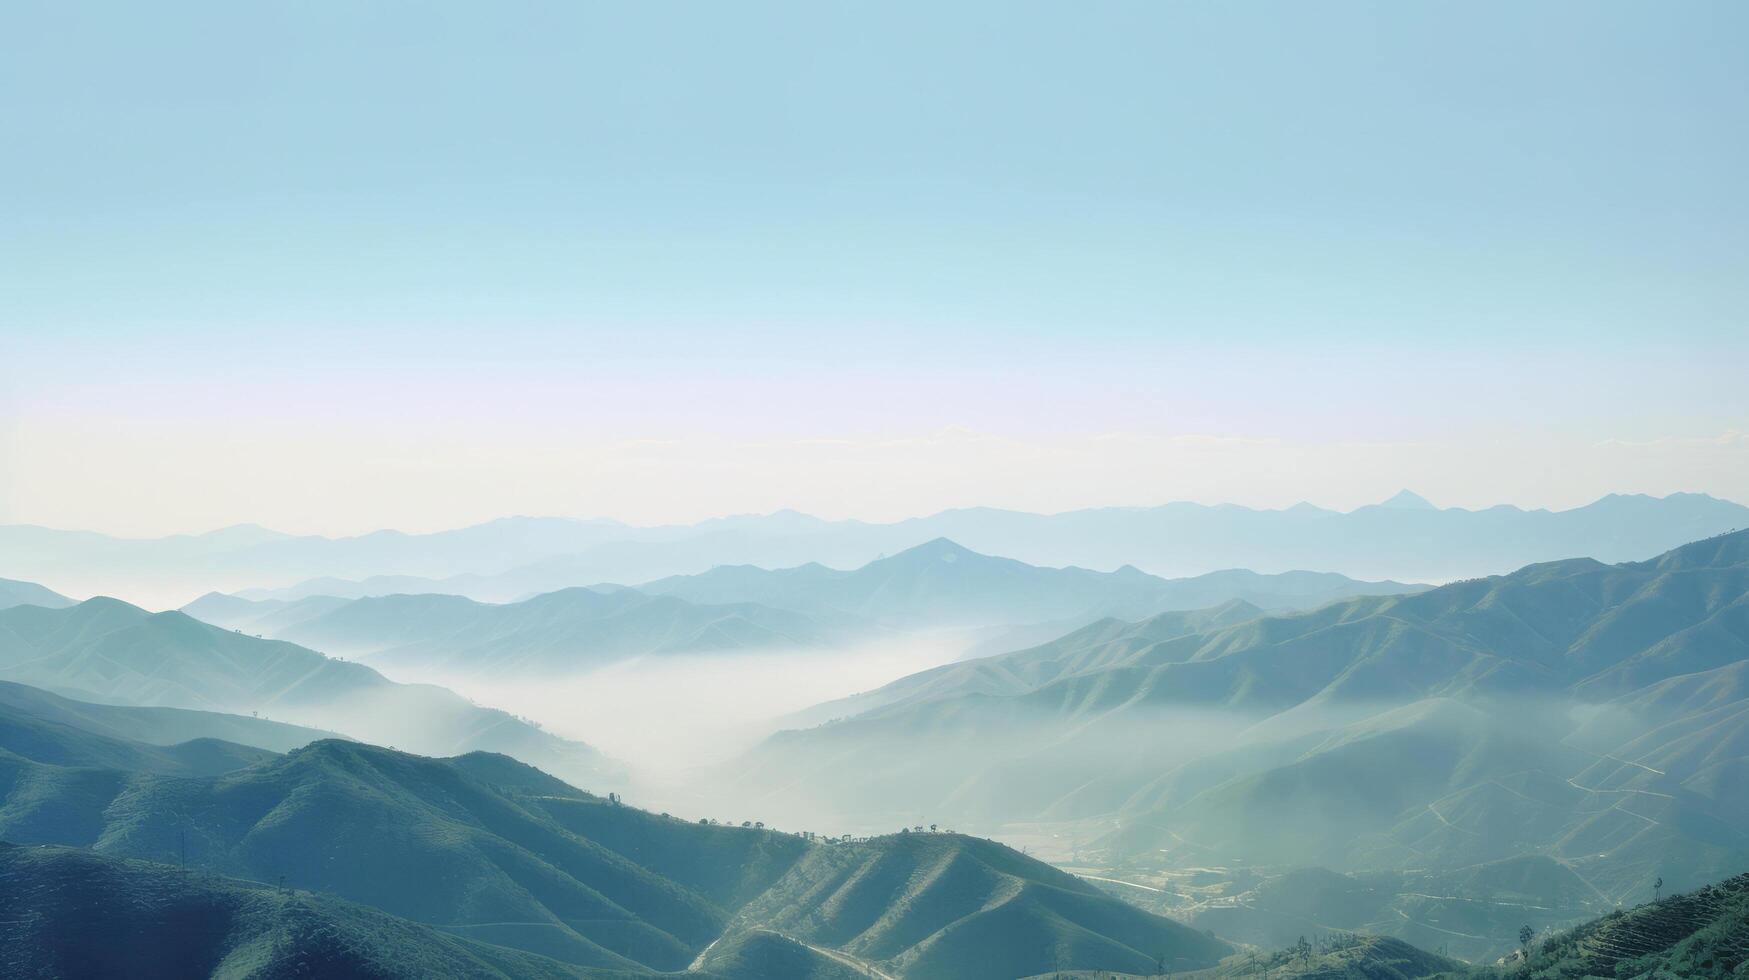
488	849
71	913
1701	934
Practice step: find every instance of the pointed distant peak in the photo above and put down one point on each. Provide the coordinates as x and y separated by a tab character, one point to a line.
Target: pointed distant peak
1408	500
940	549
1306	507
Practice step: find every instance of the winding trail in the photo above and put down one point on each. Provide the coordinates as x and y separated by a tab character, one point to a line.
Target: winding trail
1119	881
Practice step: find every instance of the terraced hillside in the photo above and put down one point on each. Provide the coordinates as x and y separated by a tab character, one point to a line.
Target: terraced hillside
1699	934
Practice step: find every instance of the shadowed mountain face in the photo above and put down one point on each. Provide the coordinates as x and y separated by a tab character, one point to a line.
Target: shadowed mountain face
517	557
72	913
489	849
1437	729
107	650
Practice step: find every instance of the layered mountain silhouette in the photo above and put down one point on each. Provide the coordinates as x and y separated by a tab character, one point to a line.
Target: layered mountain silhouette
1592	713
1404	538
935	585
559	632
107	650
485	848
13	593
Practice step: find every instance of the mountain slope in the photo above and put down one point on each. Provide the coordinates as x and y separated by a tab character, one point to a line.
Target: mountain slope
558	632
109	650
1199	737
884	901
489	849
155	726
1701	934
72	913
14	593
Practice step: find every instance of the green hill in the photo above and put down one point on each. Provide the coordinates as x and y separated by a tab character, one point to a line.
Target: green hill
885	900
758	954
488	849
1700	934
72	913
105	649
155	726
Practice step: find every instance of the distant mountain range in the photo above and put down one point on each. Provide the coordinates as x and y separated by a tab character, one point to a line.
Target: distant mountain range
30	594
557	633
1404	538
107	650
1592	713
934	585
485	848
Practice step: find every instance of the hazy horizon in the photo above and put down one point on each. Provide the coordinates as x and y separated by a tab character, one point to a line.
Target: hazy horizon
797	491
864	264
784	510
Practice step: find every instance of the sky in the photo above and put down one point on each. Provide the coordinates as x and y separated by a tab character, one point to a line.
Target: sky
333	266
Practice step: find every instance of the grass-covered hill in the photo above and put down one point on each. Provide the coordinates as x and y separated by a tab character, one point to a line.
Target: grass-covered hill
108	650
1701	934
761	953
73	913
486	848
1348	957
885	901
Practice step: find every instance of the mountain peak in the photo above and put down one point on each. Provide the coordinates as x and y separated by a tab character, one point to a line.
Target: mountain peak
1408	500
938	549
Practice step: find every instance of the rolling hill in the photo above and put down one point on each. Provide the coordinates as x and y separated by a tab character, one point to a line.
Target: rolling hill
72	913
155	726
485	848
105	649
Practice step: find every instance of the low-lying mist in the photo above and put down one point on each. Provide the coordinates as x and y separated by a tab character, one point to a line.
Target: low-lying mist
669	716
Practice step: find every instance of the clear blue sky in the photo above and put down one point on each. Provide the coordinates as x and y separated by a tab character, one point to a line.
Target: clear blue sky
334	265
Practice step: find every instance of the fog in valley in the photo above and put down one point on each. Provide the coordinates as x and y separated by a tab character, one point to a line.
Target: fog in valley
672	718
973	491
